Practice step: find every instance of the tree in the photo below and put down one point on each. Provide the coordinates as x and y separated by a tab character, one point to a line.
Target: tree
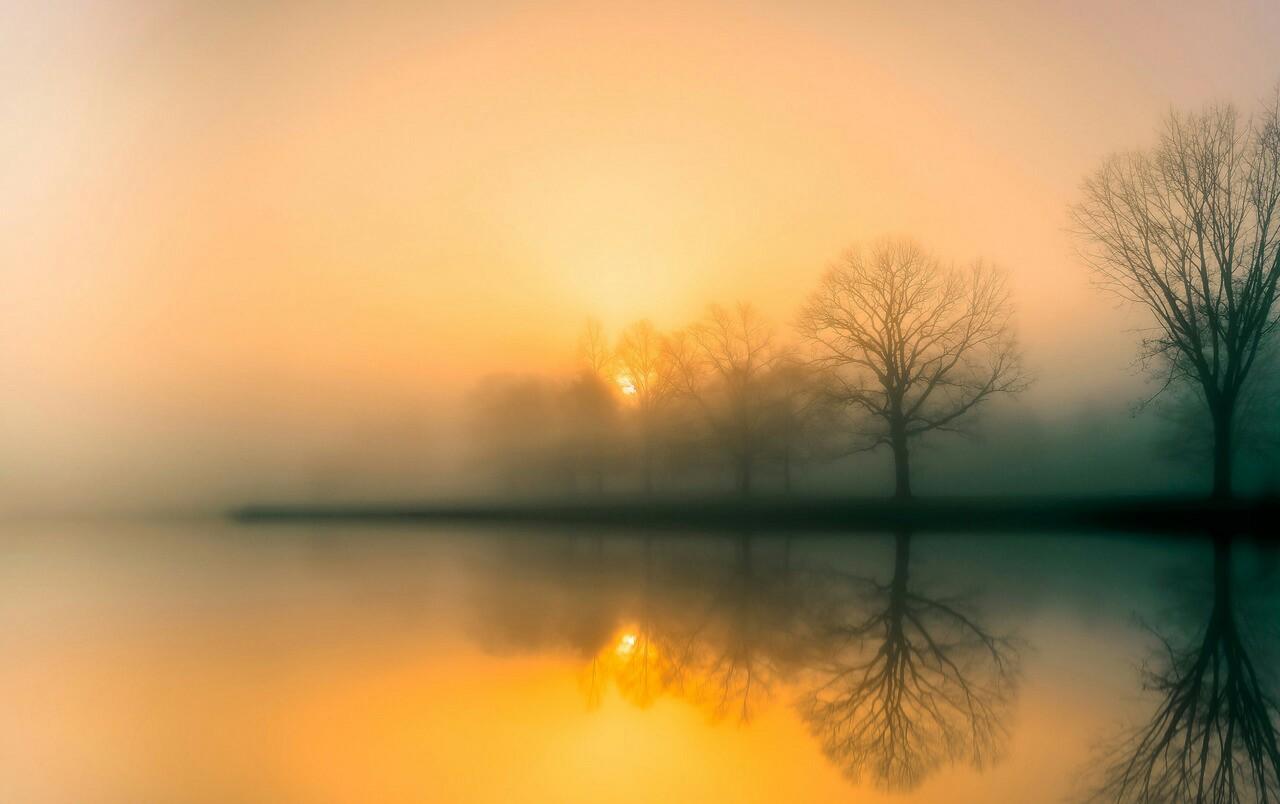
1212	739
1255	434
724	363
912	345
800	414
645	376
515	431
588	408
594	353
911	683
1190	231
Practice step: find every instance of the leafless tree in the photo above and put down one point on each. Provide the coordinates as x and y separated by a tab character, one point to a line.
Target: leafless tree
800	415
594	353
589	412
646	378
1190	231
723	364
911	683
1212	739
1188	433
912	345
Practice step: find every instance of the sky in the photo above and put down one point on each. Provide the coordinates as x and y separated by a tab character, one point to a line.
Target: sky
242	242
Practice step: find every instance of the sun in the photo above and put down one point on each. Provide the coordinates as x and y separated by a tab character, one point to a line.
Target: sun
626	385
626	645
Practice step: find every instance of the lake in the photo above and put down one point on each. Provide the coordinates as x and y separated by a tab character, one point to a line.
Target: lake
209	661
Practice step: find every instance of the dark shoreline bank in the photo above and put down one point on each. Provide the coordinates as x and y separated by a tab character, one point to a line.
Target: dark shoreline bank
956	514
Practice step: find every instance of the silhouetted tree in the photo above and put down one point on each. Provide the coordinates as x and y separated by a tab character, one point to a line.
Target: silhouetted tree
1255	427
800	415
1190	231
589	411
1212	739
912	345
645	377
723	364
594	353
911	683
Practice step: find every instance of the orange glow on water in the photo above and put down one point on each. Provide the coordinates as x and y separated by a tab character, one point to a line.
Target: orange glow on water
345	673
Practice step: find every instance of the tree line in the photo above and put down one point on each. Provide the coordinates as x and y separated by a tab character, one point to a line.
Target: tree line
894	343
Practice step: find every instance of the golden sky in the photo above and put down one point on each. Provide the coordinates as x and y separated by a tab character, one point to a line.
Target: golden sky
229	227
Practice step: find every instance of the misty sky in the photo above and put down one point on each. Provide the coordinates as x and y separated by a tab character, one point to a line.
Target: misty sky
238	242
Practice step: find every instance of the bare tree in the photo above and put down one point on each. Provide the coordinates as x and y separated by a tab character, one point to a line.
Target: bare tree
912	345
594	353
911	683
800	414
1190	231
645	376
589	412
723	363
1188	433
1212	739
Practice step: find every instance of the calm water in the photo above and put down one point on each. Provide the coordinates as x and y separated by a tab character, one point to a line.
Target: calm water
212	662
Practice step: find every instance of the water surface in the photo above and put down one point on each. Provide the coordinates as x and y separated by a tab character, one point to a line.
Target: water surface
214	662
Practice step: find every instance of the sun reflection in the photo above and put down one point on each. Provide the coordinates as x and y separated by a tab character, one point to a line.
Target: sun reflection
626	645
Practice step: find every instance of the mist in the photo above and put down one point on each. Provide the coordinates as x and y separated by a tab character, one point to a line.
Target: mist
259	254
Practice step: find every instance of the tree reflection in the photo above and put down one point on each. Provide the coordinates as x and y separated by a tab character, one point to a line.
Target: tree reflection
742	645
908	682
894	683
640	660
1212	739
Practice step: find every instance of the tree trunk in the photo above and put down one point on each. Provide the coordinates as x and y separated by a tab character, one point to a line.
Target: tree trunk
786	470
901	558
901	467
647	468
898	585
1221	579
1222	449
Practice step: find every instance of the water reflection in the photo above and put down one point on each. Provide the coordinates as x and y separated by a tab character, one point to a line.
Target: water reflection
892	681
717	632
897	676
907	682
370	664
1212	737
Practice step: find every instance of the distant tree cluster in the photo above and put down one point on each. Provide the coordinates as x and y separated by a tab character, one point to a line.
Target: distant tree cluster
893	344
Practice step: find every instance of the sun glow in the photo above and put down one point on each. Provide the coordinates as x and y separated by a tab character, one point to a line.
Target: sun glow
626	385
626	645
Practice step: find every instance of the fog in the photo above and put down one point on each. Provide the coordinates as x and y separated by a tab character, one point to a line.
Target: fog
257	254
